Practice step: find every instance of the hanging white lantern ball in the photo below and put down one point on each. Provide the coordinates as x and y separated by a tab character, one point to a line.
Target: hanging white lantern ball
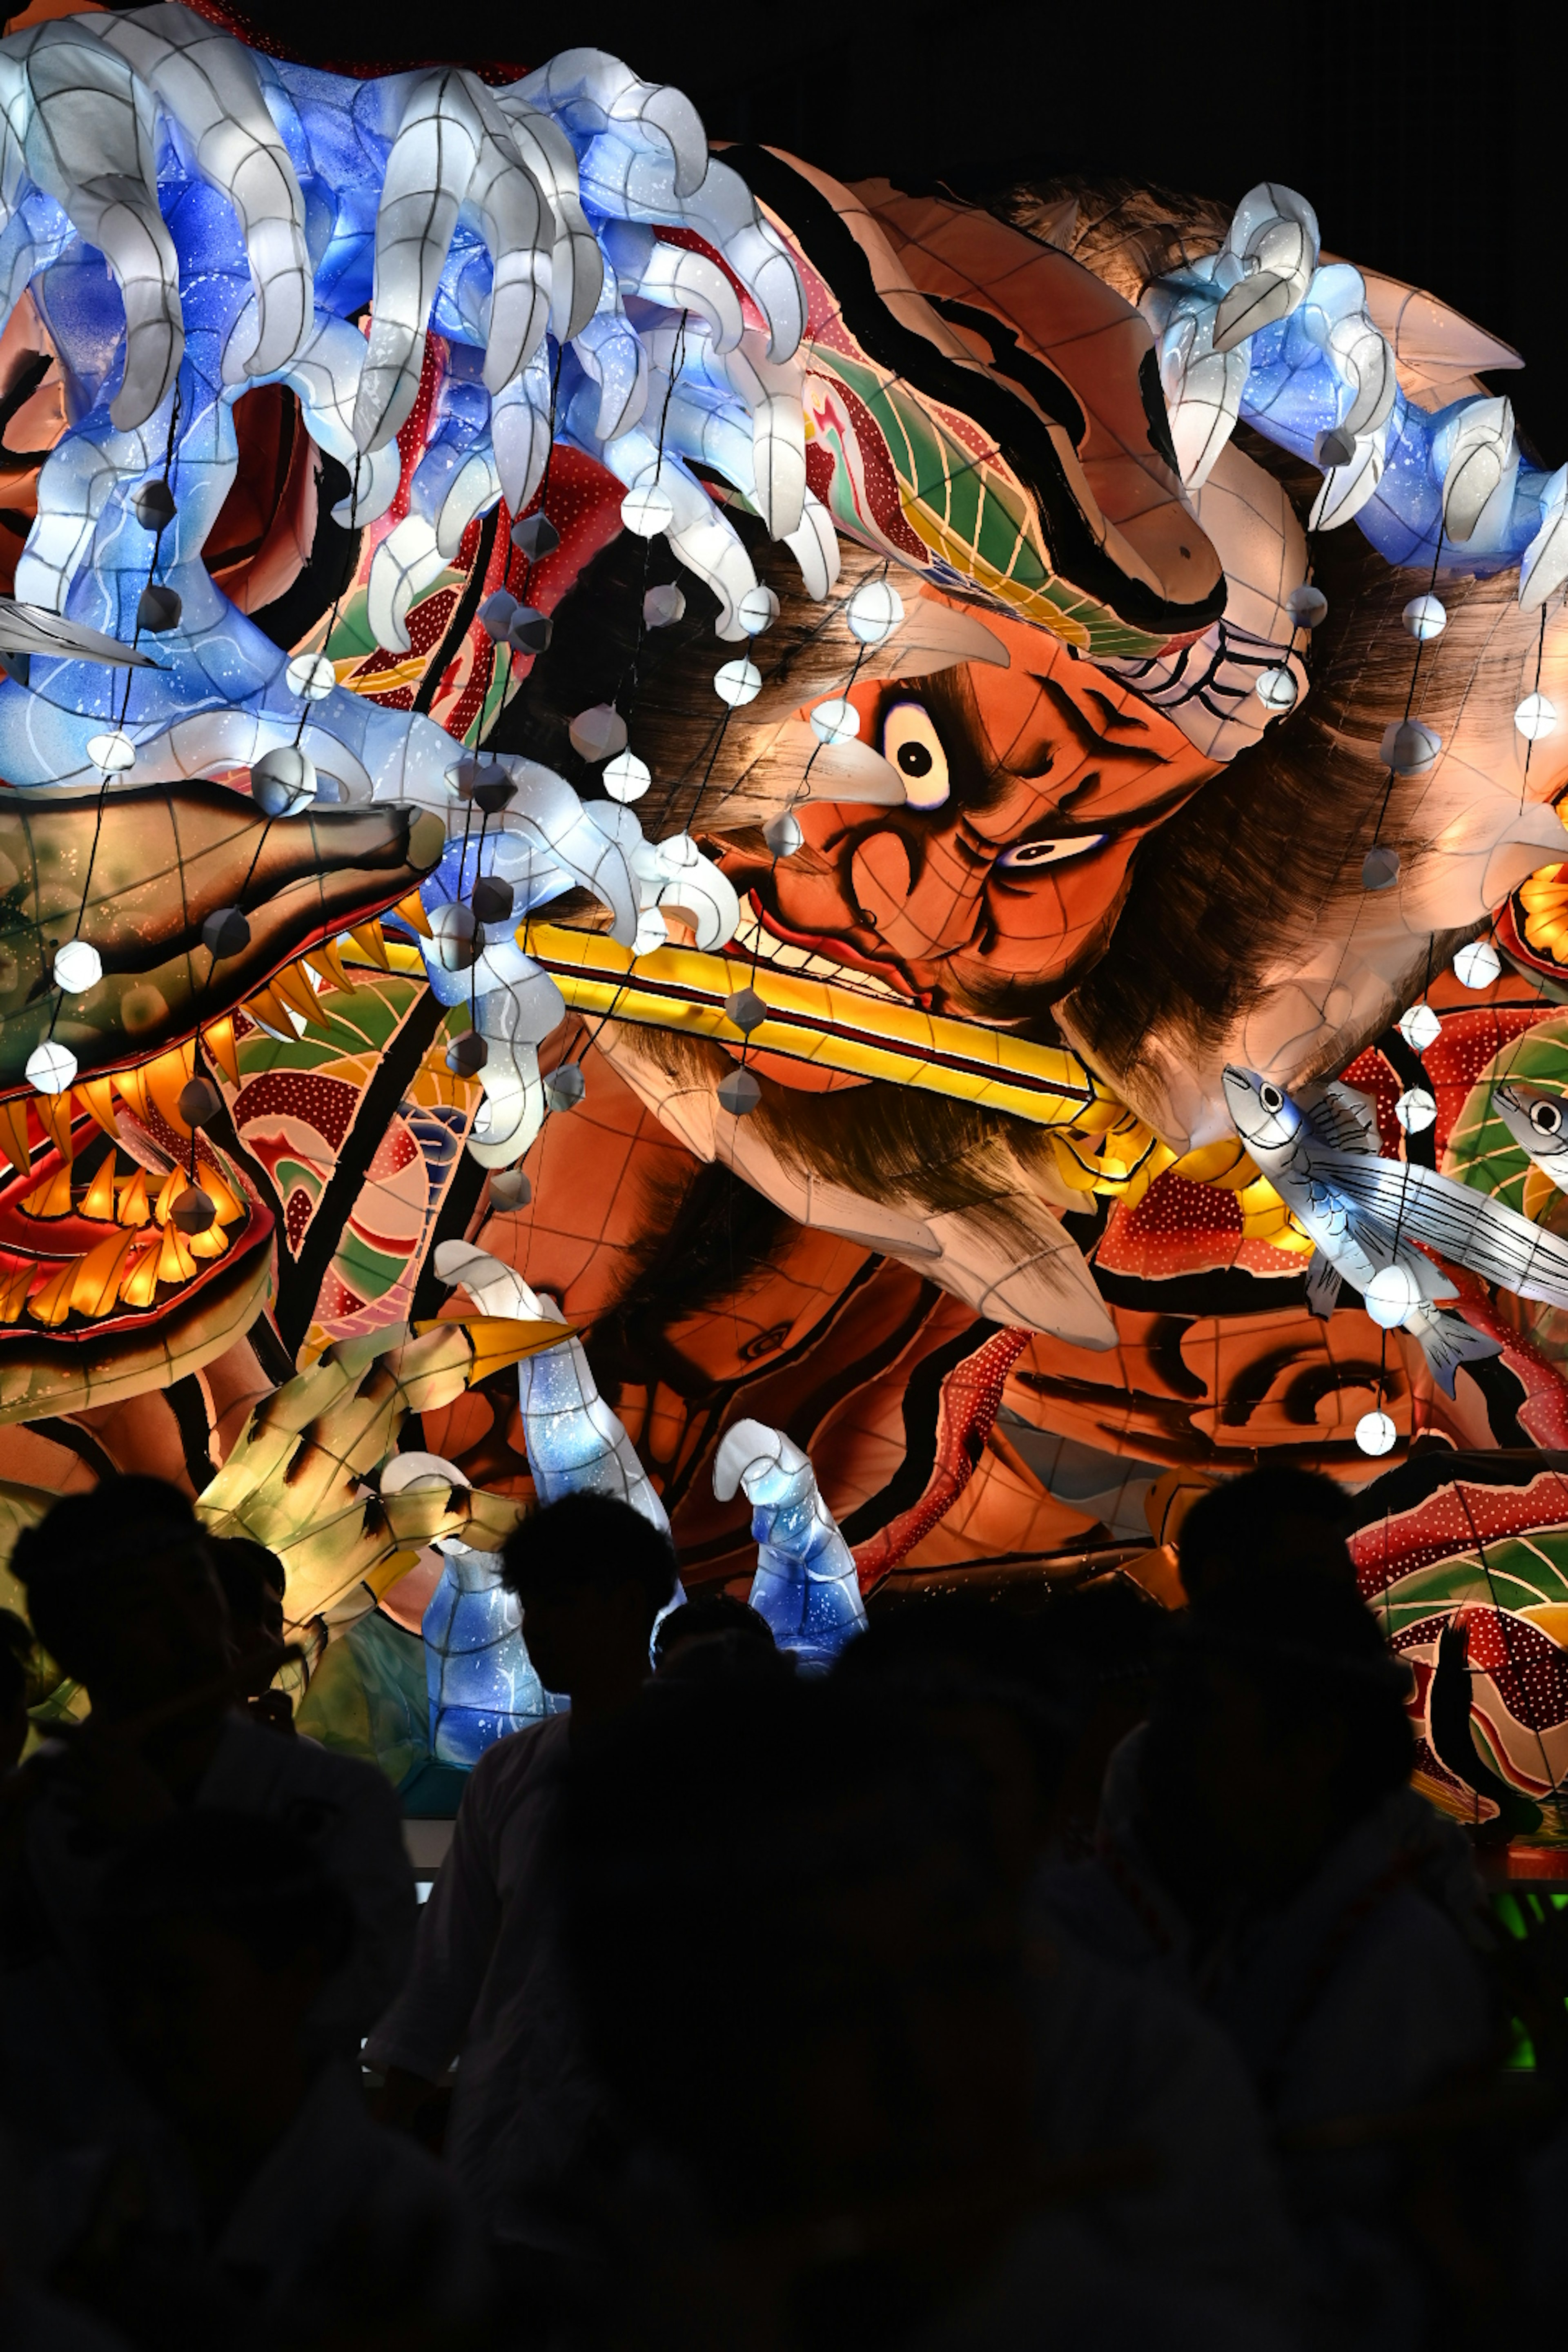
510	1189
1535	718
1307	606
76	966
646	510
1380	870
1390	1295
663	606
51	1067
738	682
757	610
453	934
1426	617
1477	965
1419	1027
311	677
1415	1110
1277	691
783	835
738	1094
837	722
1375	1434
598	734
626	777
283	780
874	611
112	752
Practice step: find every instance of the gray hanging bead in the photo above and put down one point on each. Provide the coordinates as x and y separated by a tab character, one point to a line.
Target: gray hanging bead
746	1010
535	537
158	610
226	932
565	1087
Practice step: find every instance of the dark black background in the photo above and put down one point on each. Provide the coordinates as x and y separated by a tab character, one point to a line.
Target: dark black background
1432	140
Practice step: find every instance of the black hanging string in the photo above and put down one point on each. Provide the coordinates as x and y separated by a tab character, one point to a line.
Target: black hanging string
1410	698
124	706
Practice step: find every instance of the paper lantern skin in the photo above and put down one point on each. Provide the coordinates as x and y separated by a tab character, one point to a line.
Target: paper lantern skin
984	896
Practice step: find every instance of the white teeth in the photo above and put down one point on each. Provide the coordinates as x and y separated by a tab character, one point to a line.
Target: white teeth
752	940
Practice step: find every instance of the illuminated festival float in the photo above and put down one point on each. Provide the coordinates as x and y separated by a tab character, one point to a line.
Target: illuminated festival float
886	875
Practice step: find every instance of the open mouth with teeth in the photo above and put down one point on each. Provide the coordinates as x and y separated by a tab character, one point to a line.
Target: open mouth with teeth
761	936
105	1288
764	936
99	1284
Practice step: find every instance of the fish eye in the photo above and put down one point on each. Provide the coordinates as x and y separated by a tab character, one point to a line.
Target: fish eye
1545	1118
910	743
1270	1097
1024	854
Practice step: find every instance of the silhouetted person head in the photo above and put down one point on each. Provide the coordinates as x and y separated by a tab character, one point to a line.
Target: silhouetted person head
1274	1518
15	1656
715	1635
1096	1652
1279	1727
253	1583
124	1595
592	1575
816	1859
968	1667
217	1931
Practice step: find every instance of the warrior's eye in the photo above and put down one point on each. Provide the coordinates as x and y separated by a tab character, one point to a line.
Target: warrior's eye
1545	1118
1270	1097
1026	853
911	742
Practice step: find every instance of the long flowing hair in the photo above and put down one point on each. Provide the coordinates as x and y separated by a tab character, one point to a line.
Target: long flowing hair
1232	887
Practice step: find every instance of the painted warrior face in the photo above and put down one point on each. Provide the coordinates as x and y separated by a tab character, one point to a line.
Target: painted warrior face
1027	791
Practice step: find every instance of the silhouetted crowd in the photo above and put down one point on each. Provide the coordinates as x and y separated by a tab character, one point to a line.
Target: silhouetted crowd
1077	1974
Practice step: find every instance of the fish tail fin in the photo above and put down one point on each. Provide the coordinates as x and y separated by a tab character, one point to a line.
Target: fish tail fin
1447	1342
1323	1285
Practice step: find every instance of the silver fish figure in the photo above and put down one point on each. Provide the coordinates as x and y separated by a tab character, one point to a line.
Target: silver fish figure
1365	1213
1539	1125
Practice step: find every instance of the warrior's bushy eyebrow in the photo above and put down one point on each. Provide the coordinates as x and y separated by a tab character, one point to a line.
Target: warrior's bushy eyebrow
1084	733
1113	714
